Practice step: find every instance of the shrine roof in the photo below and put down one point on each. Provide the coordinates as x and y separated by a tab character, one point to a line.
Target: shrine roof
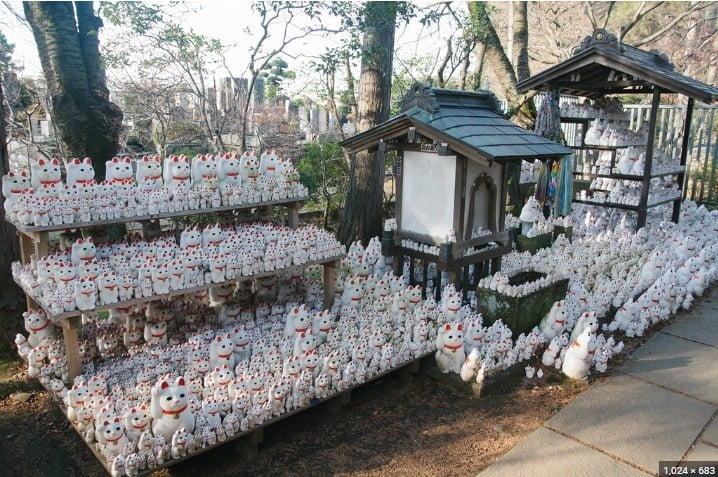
603	65
468	122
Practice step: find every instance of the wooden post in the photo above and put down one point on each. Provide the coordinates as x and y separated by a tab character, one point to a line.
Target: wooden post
684	155
41	247
293	217
330	282
72	346
648	166
26	248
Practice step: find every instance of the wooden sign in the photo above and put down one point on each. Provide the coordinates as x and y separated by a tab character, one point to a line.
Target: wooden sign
428	147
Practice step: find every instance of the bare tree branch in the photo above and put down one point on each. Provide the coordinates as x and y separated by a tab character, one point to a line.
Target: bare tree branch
658	34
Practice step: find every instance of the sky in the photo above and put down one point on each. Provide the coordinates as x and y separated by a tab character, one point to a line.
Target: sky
228	22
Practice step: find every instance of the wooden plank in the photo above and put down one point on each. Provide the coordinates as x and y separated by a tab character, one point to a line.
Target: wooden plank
687	145
329	278
72	346
696	161
185	291
704	172
676	214
185	213
293	216
646	183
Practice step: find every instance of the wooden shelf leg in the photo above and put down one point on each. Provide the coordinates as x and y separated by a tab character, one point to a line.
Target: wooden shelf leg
26	248
330	282
293	216
41	248
72	346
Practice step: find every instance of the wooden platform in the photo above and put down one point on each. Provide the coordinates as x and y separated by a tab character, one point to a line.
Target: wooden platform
31	229
254	436
60	317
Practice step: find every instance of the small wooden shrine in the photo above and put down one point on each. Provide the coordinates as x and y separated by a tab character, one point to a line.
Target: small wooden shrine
602	66
452	148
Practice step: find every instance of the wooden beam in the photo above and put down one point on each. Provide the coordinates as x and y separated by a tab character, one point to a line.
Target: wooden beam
684	155
648	166
72	346
329	278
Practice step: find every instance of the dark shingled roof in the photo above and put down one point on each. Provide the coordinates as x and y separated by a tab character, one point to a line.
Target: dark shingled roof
464	120
600	53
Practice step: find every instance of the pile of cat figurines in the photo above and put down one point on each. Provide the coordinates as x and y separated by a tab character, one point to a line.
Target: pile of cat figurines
167	379
87	275
148	186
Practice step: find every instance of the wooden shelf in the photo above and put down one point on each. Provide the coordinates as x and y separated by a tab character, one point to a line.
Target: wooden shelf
410	366
31	229
56	318
633	208
604	148
609	117
665	201
611	205
629	177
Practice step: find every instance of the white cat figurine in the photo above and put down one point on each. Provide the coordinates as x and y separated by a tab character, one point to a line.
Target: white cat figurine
170	409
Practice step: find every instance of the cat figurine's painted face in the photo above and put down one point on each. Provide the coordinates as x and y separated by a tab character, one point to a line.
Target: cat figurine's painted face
46	172
79	171
119	169
14	183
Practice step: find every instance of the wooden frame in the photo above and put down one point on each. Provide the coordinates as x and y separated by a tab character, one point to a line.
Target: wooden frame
489	181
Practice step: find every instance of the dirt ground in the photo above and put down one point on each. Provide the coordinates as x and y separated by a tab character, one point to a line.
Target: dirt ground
423	428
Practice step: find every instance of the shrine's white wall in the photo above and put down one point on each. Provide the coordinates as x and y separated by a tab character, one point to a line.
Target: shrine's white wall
428	186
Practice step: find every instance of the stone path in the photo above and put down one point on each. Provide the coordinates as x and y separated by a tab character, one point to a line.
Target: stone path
660	405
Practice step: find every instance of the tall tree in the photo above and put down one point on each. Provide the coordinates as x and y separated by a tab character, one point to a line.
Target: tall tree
66	34
10	296
362	217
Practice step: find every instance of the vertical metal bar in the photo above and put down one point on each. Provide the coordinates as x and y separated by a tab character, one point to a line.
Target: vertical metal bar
411	270
662	130
424	277
696	161
704	175
465	282
689	162
714	163
648	166
684	154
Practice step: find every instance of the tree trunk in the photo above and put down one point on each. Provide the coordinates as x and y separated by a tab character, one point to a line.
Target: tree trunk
362	215
88	122
521	41
479	55
520	110
11	302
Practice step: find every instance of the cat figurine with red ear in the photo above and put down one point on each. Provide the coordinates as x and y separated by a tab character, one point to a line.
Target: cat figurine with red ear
112	439
46	172
14	184
450	353
119	171
79	172
177	172
169	407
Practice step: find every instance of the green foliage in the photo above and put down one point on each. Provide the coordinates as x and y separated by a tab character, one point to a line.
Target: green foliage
6	51
324	171
274	74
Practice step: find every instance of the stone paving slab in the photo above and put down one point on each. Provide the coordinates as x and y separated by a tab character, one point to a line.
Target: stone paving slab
677	364
547	453
701	326
711	432
703	452
636	421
